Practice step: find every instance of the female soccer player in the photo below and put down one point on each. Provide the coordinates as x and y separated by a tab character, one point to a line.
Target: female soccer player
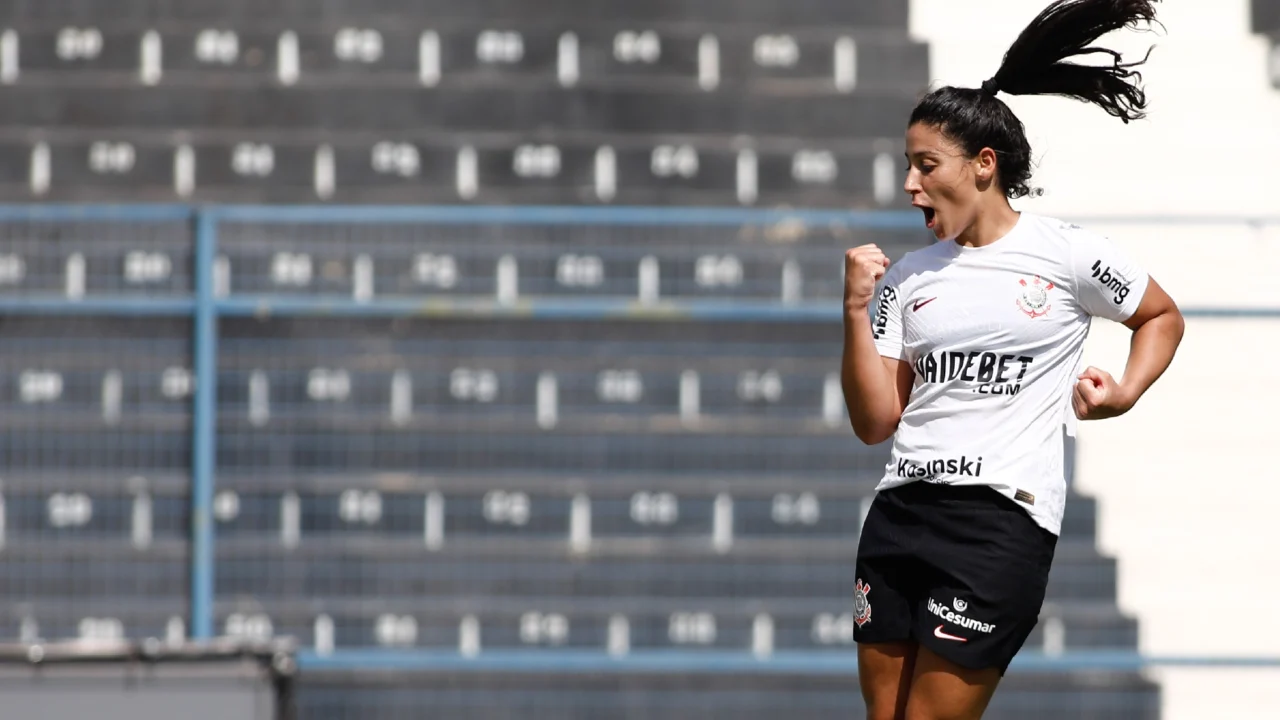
970	364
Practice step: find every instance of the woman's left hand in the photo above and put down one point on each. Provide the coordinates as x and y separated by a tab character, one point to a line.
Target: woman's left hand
1097	396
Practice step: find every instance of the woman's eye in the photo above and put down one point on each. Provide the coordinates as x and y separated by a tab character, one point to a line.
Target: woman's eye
926	168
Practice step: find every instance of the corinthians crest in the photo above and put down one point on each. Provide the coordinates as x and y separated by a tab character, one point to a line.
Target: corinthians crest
861	605
1034	300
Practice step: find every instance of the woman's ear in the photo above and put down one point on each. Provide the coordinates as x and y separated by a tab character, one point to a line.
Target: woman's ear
985	164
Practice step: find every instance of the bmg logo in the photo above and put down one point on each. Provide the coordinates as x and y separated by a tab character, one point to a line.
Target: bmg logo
1112	282
887	295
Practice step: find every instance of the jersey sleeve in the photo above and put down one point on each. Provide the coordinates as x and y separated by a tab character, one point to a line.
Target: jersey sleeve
1109	284
886	325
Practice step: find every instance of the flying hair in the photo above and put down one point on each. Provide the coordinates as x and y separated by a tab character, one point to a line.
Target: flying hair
1035	62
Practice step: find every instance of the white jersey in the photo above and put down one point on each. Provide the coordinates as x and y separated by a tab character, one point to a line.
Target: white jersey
996	337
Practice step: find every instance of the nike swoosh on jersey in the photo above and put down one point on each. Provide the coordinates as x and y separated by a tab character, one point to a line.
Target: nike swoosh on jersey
921	303
937	632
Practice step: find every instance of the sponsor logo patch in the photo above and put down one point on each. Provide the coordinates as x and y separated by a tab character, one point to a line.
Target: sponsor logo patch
1034	299
921	303
887	295
1023	496
963	466
993	373
861	605
955	618
1111	280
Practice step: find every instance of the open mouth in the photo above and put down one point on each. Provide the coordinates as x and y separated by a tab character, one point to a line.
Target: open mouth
930	217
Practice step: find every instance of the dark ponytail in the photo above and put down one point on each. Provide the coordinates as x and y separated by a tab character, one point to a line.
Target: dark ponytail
1034	65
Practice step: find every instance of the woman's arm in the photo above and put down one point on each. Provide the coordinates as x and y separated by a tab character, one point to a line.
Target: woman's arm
1157	327
875	387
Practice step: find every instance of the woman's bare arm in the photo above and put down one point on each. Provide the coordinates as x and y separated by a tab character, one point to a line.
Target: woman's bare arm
876	388
1157	327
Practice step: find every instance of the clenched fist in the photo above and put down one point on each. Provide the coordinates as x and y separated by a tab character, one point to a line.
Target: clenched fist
863	268
1097	396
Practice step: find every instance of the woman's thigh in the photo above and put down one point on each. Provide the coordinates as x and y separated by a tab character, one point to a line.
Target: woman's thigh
884	674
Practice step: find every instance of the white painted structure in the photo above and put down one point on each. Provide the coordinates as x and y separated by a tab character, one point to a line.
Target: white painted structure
1188	483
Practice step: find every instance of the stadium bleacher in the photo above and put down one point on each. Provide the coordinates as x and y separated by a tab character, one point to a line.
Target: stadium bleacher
468	484
748	695
411	102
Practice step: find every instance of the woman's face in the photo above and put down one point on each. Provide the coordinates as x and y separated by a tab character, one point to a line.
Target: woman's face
942	181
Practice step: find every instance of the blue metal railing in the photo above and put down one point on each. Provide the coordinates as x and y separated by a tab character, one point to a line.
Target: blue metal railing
203	427
205	307
675	662
554	215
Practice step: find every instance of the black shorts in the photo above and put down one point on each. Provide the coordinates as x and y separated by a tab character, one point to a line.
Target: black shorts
961	570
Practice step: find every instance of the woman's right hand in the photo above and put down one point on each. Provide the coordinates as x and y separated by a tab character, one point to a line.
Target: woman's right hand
863	268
